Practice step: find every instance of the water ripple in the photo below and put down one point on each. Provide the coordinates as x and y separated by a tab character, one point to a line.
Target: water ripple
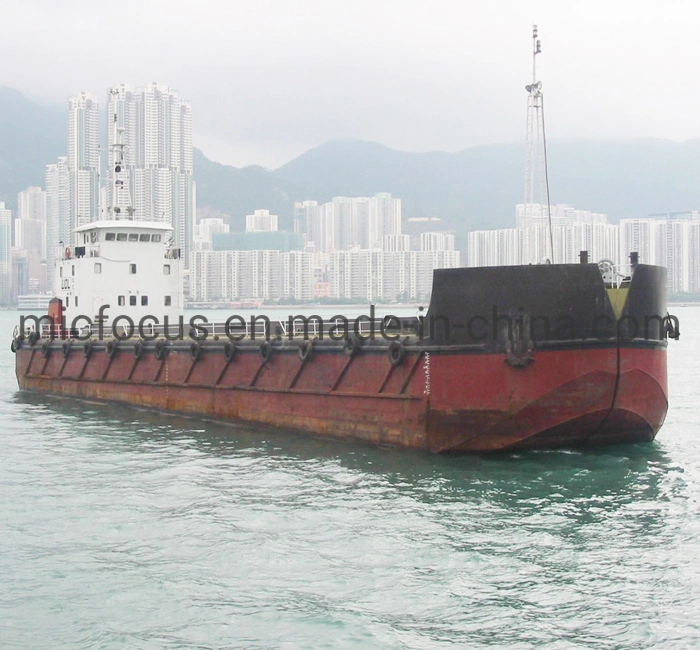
128	528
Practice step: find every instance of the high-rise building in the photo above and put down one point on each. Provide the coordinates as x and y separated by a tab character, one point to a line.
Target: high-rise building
694	256
531	245
19	275
561	214
384	218
638	235
396	243
437	241
31	204
261	221
205	230
30	234
5	254
297	275
572	231
316	223
348	222
30	239
372	274
155	124
83	159
58	222
667	242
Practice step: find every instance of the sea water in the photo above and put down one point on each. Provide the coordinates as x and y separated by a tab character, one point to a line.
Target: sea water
126	528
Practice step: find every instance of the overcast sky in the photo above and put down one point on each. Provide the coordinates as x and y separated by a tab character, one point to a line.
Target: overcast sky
269	79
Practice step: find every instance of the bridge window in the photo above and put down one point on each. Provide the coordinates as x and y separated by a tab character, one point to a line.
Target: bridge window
121	236
98	267
132	269
121	301
155	238
133	236
132	301
72	269
144	238
60	271
110	236
76	301
144	301
166	269
167	301
67	301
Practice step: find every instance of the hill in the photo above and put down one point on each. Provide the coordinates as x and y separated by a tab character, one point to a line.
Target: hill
479	187
31	136
233	191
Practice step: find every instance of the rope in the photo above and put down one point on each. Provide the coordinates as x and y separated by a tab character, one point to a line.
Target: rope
546	180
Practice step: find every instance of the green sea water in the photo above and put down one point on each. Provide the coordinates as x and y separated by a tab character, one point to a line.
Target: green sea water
124	528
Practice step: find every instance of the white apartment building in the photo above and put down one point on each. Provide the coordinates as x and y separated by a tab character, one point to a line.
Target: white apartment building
5	254
357	274
561	214
531	241
353	249
297	275
30	239
205	230
366	274
317	224
261	221
83	159
156	126
396	243
58	221
31	204
639	235
245	275
671	240
437	241
347	222
384	217
673	243
513	246
30	234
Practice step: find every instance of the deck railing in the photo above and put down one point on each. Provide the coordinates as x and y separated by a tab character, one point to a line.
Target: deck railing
256	328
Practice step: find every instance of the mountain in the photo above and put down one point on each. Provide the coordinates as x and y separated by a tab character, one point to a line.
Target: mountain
31	136
479	187
236	192
474	188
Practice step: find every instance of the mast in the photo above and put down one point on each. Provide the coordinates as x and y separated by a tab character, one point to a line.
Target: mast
536	148
120	182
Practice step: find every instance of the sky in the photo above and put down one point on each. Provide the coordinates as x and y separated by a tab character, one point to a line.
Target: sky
270	79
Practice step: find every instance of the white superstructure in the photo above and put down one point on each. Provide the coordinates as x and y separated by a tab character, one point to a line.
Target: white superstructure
124	267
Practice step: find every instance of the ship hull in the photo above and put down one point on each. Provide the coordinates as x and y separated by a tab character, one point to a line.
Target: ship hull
507	358
437	399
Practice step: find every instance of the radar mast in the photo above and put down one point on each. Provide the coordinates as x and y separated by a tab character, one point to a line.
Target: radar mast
120	206
536	149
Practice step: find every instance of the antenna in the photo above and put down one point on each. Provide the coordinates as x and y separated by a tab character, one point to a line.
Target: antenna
536	146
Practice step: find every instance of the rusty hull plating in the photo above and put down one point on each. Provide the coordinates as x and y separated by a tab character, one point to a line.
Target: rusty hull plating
527	371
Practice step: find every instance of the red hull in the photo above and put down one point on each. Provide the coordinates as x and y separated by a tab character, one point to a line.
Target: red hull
451	400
